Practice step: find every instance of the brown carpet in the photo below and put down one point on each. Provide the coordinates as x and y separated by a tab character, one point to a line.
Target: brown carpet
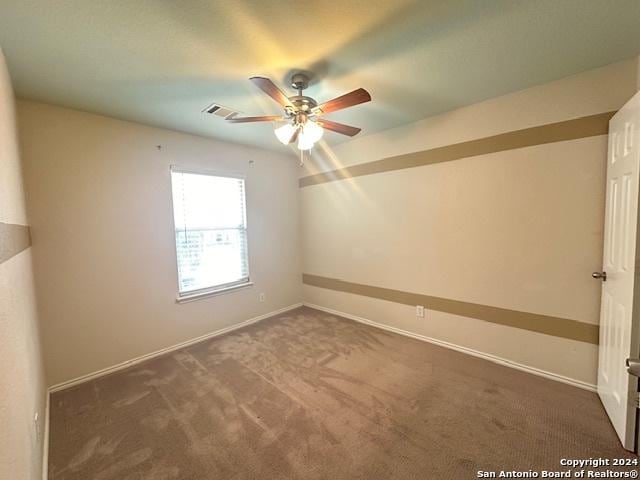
308	395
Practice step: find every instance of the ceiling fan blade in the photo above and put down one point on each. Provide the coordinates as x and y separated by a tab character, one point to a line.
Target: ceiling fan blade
264	118
270	88
338	127
347	100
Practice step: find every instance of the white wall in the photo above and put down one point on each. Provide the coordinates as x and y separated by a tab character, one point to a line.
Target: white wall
519	229
22	385
99	197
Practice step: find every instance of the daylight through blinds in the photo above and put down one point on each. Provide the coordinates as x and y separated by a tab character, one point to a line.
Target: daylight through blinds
211	231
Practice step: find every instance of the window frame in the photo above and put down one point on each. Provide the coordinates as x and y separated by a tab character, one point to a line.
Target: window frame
191	295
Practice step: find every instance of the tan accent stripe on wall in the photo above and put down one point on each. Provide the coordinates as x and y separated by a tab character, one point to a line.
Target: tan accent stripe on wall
13	239
582	127
556	326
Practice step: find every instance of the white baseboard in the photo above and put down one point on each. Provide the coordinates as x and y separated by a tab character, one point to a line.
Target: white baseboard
157	353
45	439
458	348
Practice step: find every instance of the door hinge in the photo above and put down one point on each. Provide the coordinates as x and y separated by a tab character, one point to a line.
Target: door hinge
638	400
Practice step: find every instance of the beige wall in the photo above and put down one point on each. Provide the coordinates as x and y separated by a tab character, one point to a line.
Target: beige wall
22	385
519	229
99	197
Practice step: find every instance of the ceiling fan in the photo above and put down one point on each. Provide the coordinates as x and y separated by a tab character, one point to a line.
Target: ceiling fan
302	114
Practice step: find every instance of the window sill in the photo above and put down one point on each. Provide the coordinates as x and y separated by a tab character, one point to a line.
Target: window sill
212	293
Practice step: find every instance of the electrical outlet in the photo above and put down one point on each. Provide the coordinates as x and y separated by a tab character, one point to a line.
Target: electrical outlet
262	297
419	311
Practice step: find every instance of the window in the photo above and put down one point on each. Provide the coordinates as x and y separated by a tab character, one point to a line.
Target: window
211	231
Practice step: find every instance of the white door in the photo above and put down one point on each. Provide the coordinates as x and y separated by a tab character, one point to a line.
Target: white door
619	335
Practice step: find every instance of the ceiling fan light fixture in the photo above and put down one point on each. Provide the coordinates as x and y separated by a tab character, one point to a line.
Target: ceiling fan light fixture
284	133
312	131
304	143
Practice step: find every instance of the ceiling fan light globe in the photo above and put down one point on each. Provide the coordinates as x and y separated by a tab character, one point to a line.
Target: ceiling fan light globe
312	131
284	133
304	142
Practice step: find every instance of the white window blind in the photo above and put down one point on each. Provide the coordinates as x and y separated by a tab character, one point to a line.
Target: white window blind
211	231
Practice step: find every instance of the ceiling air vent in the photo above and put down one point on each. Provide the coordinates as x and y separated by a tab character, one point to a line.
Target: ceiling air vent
220	111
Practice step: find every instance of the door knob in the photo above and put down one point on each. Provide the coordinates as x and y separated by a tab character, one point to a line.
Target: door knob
633	366
602	275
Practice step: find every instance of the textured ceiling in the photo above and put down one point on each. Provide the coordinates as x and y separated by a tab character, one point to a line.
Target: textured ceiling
160	62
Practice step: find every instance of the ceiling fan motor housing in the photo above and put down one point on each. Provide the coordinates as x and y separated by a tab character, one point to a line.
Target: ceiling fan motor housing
303	104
